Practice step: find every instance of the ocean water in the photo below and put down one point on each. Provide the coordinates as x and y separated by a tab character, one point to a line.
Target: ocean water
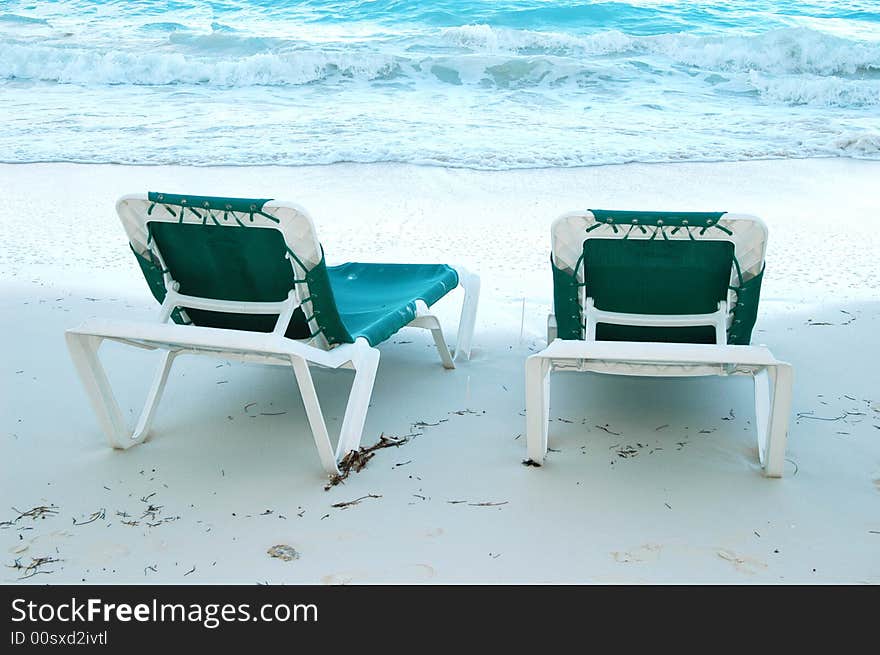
467	83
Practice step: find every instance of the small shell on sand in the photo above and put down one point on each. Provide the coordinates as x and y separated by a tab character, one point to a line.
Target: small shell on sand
283	552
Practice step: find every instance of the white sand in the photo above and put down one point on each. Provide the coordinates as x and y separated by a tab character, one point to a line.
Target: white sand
691	506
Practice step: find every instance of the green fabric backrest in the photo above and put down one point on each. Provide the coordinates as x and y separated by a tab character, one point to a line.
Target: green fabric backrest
235	262
657	277
225	262
228	263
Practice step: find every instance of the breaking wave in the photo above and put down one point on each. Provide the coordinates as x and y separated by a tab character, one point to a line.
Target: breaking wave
789	66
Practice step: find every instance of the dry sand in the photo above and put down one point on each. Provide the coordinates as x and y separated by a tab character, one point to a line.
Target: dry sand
649	480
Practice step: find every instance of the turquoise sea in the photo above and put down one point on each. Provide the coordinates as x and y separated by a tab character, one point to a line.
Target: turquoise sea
468	83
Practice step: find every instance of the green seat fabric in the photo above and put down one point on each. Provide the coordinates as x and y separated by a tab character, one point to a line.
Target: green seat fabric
376	300
249	264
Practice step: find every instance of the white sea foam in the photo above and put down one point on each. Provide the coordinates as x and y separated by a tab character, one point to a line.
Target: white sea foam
799	50
486	38
815	90
77	66
781	51
858	144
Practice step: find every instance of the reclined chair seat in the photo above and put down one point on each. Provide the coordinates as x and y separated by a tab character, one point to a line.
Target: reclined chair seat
377	300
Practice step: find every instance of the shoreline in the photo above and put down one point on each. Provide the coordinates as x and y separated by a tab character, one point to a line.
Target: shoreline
524	169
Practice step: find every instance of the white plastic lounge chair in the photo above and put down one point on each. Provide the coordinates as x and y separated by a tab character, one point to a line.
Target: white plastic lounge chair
659	294
246	280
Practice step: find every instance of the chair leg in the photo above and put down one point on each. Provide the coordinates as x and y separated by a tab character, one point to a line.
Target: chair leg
365	364
442	348
142	429
471	285
780	378
537	407
313	412
428	321
84	353
772	408
358	402
763	394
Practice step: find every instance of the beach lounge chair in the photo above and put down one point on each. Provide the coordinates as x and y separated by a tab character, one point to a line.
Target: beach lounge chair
245	279
659	294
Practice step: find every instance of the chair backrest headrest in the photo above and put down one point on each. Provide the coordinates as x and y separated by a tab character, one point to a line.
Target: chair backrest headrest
658	263
141	213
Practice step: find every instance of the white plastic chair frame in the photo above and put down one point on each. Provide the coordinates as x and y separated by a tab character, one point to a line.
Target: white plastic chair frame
772	378
255	347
